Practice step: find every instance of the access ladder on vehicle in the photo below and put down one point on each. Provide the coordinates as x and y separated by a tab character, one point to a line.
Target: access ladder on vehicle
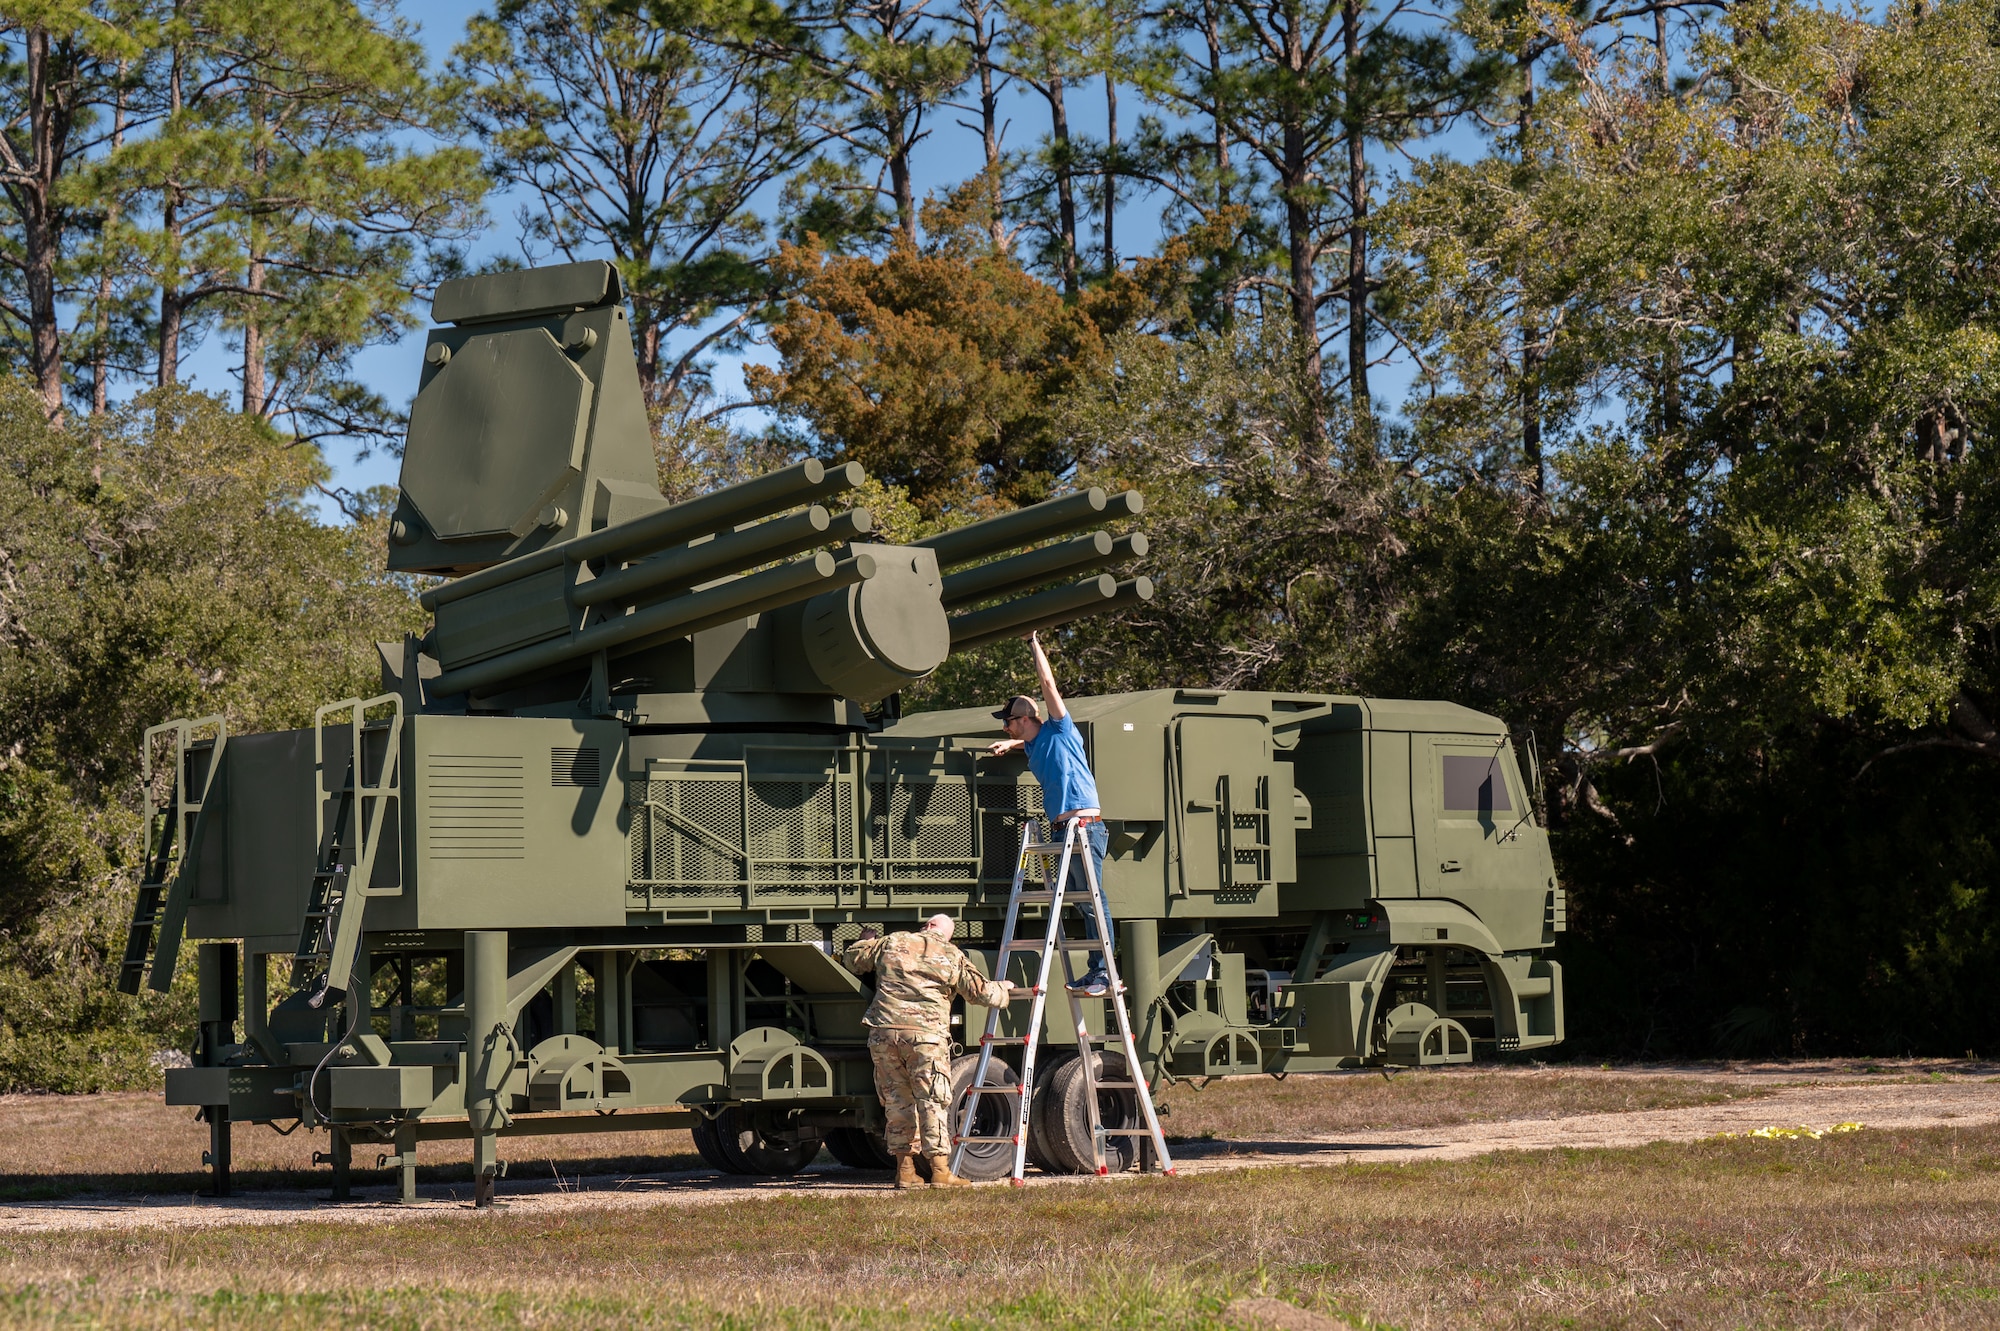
173	809
1055	859
330	931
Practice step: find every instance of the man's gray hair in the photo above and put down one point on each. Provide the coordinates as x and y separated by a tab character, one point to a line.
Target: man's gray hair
941	925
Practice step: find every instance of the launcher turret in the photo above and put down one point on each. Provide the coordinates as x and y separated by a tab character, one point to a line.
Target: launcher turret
528	477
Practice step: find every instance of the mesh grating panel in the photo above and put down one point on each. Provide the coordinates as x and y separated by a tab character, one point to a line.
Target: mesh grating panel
1002	807
933	820
664	851
794	832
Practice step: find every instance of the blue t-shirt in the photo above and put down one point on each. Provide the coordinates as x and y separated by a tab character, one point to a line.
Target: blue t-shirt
1055	756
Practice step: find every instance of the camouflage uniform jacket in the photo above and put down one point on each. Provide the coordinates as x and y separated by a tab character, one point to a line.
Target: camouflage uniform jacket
915	978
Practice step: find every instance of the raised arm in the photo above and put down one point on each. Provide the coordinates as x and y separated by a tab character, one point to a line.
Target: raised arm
1051	696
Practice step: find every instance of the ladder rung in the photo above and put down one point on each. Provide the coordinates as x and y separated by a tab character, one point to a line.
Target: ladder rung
1066	945
1117	1086
1011	1141
1045	847
1036	896
1003	1039
1126	1132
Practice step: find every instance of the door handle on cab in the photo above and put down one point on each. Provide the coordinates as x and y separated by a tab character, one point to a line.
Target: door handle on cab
1449	866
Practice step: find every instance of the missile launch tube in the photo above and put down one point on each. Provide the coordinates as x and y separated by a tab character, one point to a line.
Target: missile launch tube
1046	609
1037	522
690	564
802	483
1024	572
753	594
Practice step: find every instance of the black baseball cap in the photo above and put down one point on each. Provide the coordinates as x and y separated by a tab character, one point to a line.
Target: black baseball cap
1020	705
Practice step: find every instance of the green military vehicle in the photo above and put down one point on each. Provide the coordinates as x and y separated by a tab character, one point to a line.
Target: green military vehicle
587	861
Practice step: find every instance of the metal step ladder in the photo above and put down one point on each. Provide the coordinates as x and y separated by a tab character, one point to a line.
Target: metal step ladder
159	908
1055	858
330	931
319	931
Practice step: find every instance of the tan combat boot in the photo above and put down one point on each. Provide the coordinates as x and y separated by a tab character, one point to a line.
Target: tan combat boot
906	1172
941	1175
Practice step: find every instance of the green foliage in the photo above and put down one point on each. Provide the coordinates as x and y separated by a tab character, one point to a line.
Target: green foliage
161	564
1753	622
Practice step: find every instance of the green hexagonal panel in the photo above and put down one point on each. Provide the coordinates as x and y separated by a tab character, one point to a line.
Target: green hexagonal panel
496	435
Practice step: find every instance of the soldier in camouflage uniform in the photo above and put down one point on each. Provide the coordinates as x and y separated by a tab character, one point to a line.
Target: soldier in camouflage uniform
909	1037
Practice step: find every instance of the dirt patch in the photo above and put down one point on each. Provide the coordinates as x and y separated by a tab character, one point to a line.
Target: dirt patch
66	1142
54	1146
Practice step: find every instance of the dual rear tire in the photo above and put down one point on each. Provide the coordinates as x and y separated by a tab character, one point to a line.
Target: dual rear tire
1065	1119
1059	1136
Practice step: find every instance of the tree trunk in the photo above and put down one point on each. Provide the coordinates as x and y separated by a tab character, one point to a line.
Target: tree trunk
254	399
1294	178
1065	186
1211	19
171	312
1110	170
1531	352
1660	45
989	121
1531	409
34	192
172	309
899	172
1305	295
648	354
1357	229
100	361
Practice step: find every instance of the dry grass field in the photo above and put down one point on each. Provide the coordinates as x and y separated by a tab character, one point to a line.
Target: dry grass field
1865	1229
1309	1106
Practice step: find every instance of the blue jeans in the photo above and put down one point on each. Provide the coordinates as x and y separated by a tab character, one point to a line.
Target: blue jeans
1099	841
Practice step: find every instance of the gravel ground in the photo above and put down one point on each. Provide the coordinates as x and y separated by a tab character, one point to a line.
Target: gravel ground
1818	1094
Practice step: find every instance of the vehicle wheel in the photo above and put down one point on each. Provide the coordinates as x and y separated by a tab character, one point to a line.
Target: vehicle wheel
1069	1118
709	1143
851	1147
879	1144
750	1152
1039	1150
994	1116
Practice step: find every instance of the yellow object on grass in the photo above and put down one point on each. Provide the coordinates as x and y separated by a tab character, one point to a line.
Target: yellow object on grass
1789	1134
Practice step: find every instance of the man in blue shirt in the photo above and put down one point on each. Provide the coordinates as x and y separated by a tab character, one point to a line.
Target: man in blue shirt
1069	791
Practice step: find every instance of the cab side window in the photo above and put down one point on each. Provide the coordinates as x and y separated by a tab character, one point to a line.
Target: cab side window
1475	786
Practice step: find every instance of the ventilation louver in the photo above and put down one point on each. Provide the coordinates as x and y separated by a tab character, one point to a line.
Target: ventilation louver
575	767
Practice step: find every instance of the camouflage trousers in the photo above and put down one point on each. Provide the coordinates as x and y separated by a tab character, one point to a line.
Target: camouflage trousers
913	1080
